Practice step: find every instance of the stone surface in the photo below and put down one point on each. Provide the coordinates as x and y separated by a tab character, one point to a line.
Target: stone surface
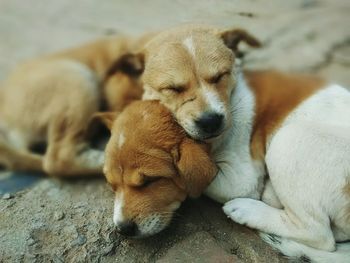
7	196
30	231
198	248
71	221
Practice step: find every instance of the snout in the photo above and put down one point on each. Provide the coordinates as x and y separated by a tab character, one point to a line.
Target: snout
127	228
210	123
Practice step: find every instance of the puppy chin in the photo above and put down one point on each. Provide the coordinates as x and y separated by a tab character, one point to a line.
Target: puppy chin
152	225
199	135
191	131
142	235
156	222
205	137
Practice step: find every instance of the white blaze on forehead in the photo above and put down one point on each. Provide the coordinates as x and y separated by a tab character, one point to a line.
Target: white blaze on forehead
118	206
121	140
213	100
188	43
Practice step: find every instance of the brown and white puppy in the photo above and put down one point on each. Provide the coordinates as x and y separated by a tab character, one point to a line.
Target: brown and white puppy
51	100
152	167
281	138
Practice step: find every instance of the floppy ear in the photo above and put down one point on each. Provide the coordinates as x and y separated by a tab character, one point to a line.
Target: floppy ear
233	37
107	118
130	64
196	169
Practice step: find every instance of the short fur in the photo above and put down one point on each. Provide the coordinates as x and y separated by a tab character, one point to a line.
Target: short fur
152	166
51	100
286	138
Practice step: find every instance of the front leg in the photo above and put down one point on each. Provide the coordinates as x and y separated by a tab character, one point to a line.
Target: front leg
256	214
249	212
224	187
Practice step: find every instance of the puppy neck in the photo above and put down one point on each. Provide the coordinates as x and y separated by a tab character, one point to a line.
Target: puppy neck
241	114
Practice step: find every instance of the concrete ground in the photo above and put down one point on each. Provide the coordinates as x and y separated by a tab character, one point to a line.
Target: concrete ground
65	221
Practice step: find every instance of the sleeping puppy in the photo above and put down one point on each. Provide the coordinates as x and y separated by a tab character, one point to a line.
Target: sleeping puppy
50	101
152	167
281	141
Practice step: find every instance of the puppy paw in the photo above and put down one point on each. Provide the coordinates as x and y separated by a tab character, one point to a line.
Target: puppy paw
245	211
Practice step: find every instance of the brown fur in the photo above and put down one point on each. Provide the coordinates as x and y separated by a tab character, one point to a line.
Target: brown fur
175	76
52	99
155	149
121	89
179	72
276	95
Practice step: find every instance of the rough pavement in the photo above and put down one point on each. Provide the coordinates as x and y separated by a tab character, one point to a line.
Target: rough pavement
70	221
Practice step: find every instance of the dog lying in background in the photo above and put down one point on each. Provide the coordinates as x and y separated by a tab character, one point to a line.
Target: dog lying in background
152	167
282	139
51	101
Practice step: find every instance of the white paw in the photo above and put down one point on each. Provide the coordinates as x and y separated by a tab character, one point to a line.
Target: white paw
245	211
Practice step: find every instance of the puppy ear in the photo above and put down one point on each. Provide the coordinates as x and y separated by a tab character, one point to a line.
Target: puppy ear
130	64
196	169
233	37
107	118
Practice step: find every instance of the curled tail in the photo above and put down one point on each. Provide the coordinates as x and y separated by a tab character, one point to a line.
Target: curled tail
295	250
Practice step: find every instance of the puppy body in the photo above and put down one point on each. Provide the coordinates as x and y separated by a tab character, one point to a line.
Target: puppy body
51	100
280	138
304	146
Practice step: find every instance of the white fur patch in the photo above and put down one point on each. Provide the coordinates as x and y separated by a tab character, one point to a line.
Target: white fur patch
307	159
118	206
294	250
152	224
188	43
121	140
231	152
213	100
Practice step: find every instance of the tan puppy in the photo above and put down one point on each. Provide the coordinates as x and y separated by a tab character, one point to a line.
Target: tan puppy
189	69
51	100
152	167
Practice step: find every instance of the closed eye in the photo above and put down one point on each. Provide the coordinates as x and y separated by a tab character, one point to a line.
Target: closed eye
173	89
148	180
218	77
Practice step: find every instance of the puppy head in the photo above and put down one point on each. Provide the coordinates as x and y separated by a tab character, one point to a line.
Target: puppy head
190	70
152	167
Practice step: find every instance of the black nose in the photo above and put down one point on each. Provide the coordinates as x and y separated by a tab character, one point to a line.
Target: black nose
210	122
127	228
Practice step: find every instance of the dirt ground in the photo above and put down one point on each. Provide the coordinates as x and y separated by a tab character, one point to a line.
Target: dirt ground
71	221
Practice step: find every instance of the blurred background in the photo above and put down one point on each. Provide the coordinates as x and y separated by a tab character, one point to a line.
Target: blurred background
310	35
71	222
